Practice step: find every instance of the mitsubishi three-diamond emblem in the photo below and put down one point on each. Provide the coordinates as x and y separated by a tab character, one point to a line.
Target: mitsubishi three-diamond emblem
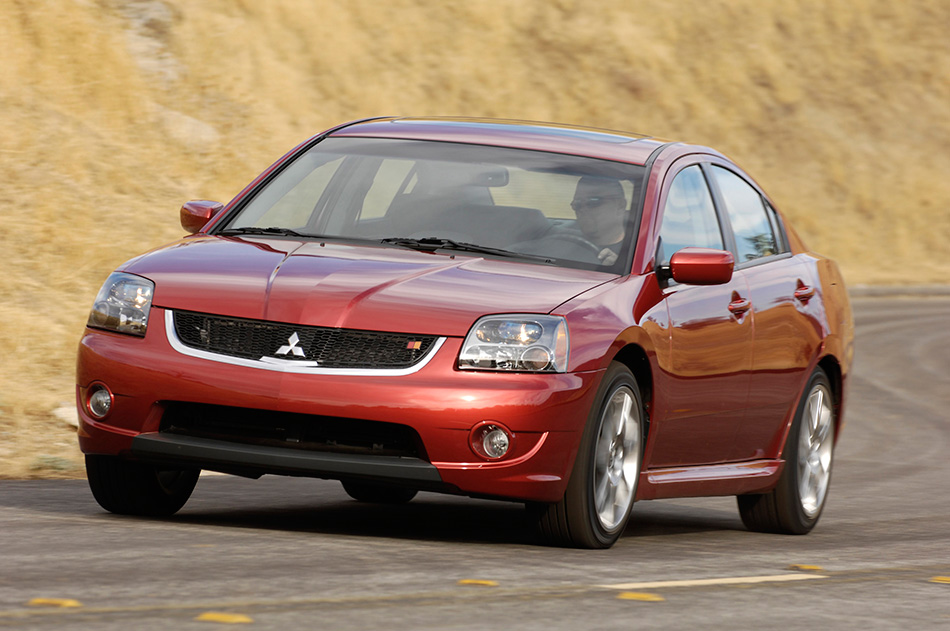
291	347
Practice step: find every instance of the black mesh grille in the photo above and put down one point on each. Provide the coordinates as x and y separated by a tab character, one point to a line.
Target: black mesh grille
329	347
294	431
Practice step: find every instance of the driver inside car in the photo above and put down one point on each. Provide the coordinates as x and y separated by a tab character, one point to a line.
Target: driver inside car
601	207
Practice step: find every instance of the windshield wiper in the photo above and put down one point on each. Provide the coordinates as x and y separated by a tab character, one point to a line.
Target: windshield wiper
431	244
287	232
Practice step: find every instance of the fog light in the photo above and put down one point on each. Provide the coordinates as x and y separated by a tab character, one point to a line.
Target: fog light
490	440
99	402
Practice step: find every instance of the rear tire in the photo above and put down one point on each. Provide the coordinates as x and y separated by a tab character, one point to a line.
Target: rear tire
795	504
603	484
135	488
378	493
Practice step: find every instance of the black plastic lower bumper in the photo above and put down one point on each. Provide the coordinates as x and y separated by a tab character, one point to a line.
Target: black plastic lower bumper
255	460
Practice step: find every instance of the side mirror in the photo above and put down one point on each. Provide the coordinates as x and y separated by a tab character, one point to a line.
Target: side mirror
702	266
196	214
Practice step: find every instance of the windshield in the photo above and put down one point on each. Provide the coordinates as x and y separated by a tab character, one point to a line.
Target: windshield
541	207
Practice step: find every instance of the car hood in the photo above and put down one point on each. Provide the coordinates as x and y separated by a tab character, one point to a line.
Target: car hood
351	286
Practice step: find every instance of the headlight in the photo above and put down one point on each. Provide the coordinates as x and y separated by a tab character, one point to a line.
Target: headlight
517	343
123	304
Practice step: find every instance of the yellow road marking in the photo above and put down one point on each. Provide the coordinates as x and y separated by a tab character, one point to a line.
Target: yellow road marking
805	568
703	582
54	602
226	618
439	597
641	596
475	581
941	579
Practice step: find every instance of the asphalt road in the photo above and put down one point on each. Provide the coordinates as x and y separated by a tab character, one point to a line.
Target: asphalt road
299	554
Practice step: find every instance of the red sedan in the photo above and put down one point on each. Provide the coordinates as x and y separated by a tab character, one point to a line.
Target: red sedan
571	318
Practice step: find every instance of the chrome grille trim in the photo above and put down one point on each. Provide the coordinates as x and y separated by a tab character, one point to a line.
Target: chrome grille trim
291	366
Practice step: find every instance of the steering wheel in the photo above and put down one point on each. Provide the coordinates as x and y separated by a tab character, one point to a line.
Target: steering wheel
581	249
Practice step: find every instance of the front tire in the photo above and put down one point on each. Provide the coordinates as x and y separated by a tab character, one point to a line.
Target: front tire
795	504
603	484
135	488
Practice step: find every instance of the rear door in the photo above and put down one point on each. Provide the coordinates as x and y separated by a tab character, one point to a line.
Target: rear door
782	289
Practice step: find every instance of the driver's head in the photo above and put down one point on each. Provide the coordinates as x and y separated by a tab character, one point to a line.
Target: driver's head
600	206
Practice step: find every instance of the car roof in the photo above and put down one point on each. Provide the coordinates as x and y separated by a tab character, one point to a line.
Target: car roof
583	141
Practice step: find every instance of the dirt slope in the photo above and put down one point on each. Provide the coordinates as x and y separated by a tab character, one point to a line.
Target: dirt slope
114	112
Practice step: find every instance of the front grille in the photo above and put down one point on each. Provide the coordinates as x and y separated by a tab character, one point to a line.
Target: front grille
290	430
328	347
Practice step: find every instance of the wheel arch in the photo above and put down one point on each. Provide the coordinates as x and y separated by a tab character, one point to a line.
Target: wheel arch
635	358
832	368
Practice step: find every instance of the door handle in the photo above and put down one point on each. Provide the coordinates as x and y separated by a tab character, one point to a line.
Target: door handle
739	306
804	293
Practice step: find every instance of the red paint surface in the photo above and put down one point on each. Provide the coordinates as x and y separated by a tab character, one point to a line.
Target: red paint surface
726	363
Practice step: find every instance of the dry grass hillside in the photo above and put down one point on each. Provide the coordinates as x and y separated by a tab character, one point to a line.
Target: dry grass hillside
113	112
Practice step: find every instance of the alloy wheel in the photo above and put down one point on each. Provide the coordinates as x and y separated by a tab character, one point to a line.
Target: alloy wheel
815	443
617	459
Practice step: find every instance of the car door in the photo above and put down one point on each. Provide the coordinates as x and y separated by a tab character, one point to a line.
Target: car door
782	289
702	390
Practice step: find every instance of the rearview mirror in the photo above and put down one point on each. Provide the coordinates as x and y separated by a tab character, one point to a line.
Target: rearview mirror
702	266
491	177
196	214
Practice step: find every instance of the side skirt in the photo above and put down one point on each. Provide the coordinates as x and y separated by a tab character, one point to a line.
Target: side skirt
734	478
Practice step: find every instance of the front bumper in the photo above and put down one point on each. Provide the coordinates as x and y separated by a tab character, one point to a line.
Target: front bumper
546	414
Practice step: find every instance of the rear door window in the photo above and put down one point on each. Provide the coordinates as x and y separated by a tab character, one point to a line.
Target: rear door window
754	229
